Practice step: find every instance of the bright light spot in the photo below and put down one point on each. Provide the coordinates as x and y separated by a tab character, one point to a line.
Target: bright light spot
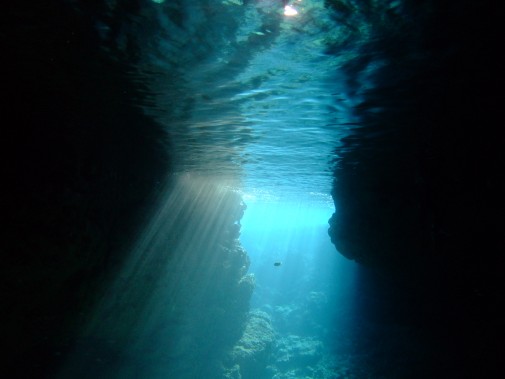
290	11
292	258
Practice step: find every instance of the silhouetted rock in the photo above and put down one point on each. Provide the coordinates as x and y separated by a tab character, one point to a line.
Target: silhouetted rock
418	183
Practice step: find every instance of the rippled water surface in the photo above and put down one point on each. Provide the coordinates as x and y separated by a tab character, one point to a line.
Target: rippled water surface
248	94
129	121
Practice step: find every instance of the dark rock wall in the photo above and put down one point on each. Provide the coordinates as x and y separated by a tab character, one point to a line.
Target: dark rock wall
84	170
427	144
79	164
419	183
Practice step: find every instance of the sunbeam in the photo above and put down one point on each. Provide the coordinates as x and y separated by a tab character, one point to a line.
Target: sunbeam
186	260
293	263
252	189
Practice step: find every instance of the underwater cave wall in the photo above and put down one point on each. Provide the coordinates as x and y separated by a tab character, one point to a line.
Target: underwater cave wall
419	182
181	299
80	165
419	177
84	171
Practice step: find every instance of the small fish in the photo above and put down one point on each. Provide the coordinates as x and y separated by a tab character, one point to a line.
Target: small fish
277	264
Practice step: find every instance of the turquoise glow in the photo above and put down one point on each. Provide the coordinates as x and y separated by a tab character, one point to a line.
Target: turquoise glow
301	282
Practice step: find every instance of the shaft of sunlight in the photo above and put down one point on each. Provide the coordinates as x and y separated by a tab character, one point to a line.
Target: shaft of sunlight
172	269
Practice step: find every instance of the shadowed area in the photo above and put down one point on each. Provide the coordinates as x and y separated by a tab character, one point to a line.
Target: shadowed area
169	169
419	183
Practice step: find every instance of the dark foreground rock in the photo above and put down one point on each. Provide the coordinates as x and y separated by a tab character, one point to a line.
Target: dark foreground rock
111	265
419	184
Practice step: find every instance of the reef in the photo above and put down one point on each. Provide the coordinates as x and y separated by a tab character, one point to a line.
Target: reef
262	352
250	356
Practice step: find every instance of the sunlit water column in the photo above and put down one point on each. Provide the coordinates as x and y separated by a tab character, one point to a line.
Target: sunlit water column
302	283
296	103
289	102
304	287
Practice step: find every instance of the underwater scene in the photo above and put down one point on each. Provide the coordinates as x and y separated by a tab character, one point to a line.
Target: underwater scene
252	189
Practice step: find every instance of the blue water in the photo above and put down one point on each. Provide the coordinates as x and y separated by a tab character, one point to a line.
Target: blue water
267	100
306	290
253	102
175	165
266	111
266	123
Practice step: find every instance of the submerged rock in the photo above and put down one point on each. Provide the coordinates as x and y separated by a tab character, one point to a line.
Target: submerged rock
252	351
295	351
232	373
326	368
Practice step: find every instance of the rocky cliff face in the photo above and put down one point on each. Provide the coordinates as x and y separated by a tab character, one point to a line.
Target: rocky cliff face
420	178
418	193
89	280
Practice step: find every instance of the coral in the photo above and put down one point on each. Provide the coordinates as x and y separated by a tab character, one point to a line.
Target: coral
295	351
232	373
253	350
